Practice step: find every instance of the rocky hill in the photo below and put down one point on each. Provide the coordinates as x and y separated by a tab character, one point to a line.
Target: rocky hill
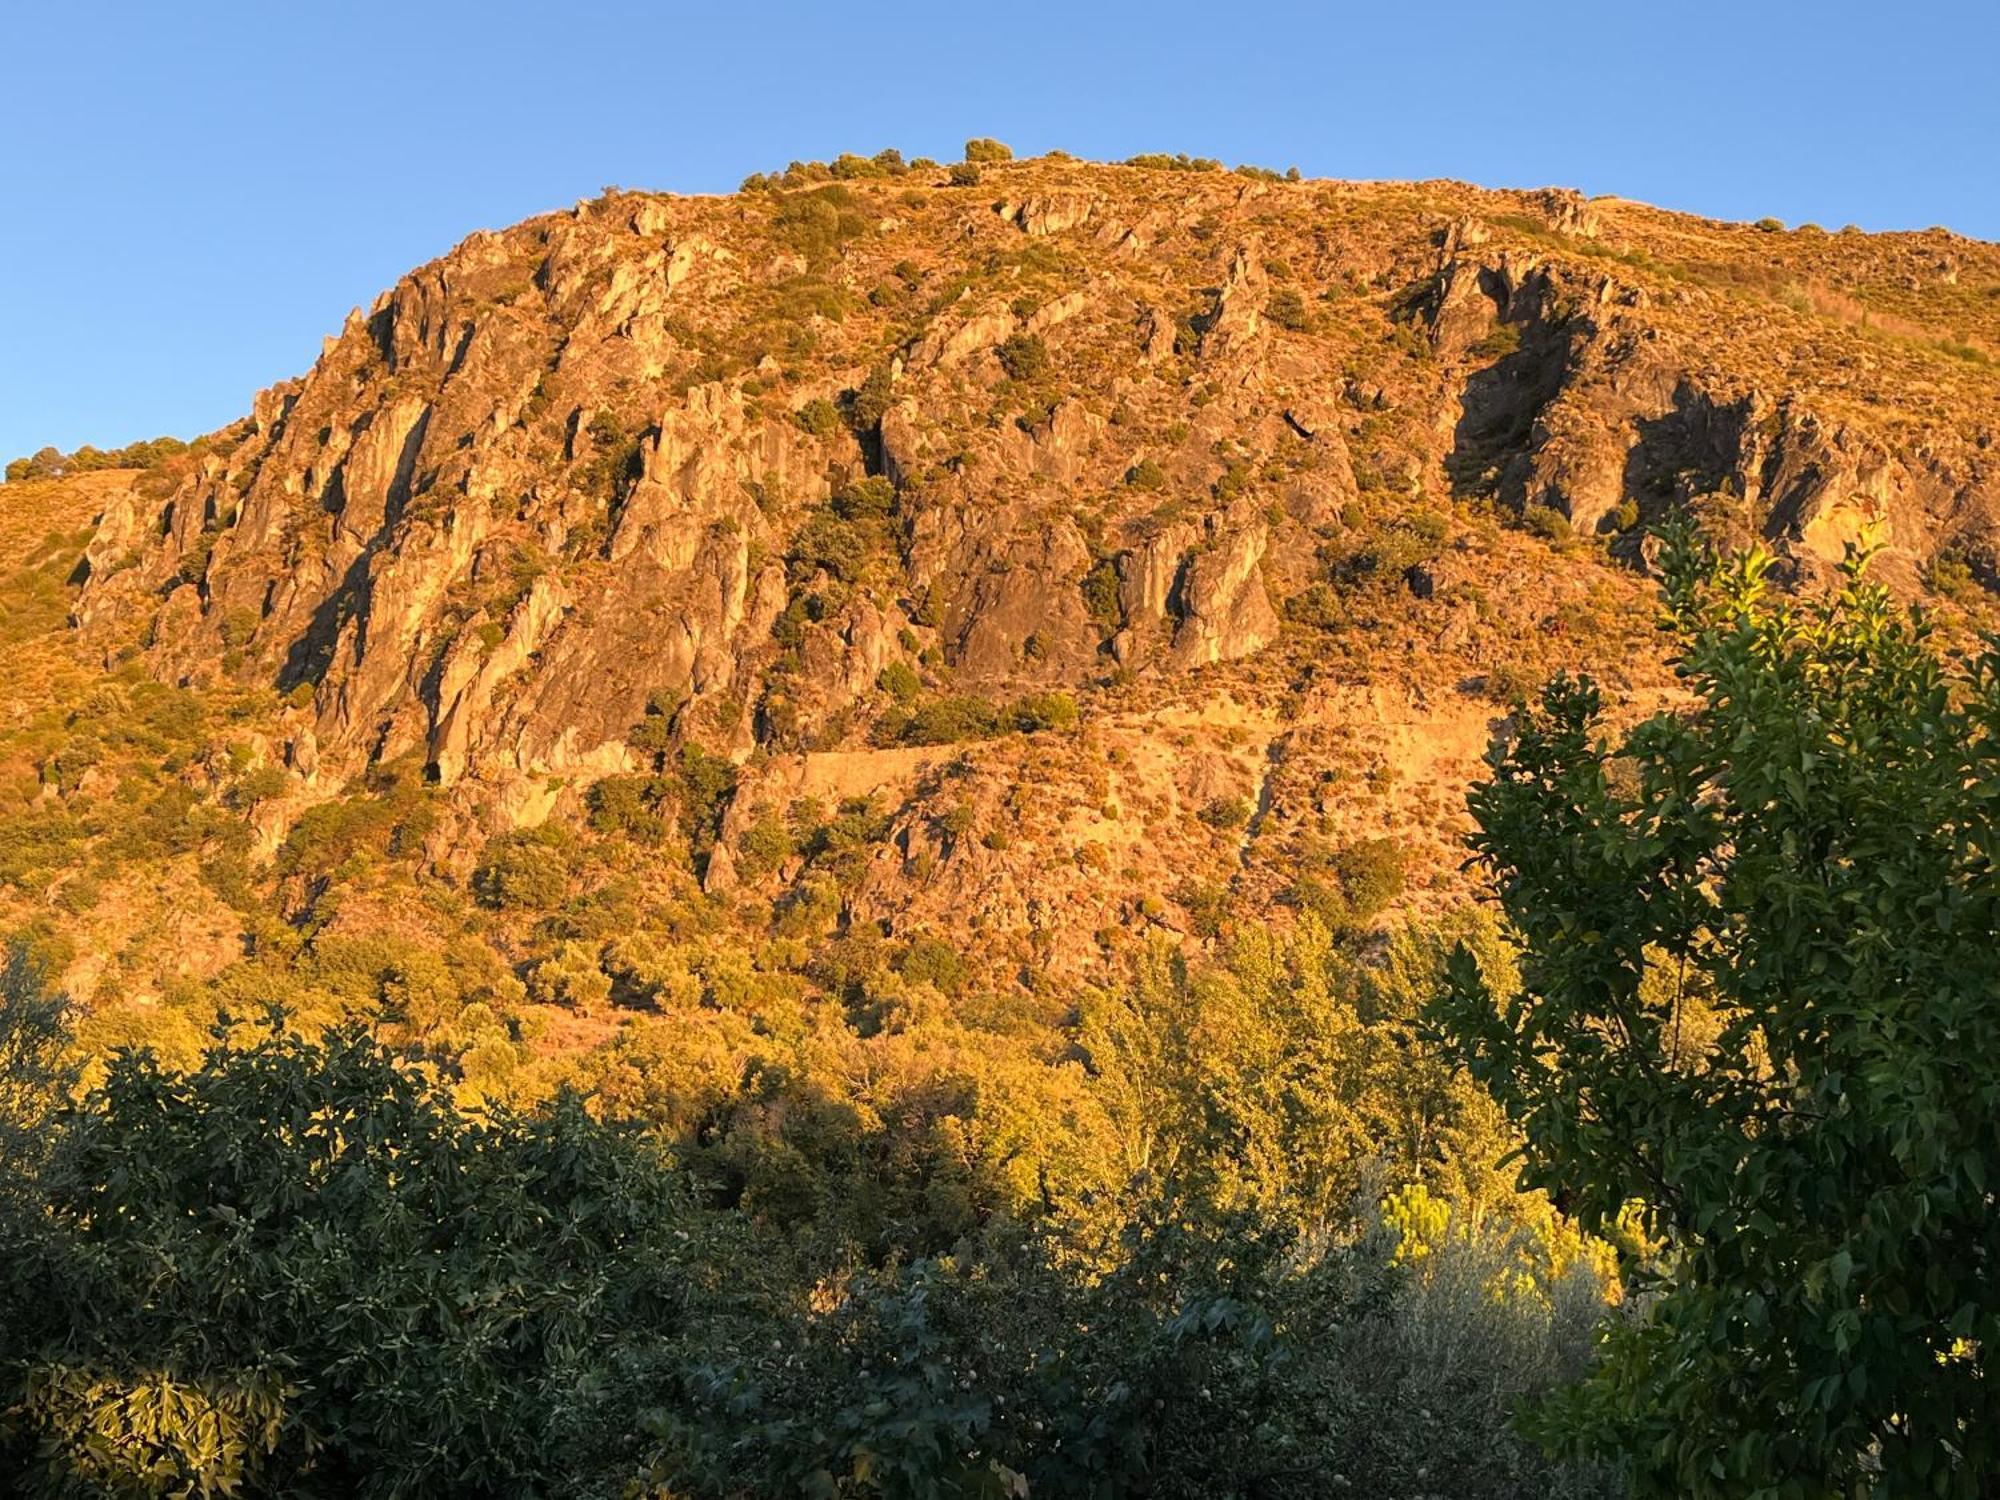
1000	565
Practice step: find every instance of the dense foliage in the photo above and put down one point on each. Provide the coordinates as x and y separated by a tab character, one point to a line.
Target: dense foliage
297	1266
1758	1000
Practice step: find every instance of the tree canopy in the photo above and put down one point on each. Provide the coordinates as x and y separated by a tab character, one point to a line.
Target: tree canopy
1760	1001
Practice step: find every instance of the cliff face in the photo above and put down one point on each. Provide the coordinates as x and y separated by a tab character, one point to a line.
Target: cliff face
798	475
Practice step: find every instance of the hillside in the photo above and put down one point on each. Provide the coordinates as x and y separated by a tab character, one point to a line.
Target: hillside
732	627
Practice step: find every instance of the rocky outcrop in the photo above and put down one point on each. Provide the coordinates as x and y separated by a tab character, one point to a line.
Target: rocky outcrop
1051	213
1225	613
740	461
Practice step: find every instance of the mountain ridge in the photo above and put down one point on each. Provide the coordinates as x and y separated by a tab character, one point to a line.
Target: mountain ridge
1130	534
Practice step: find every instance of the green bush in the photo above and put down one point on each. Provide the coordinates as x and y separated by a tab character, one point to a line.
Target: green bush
1502	340
964	174
1371	875
1546	522
1951	576
831	543
1287	309
297	1269
985	148
950	720
819	417
870	401
389	816
818	223
900	681
1041	711
1318	606
572	976
1100	593
929	960
708	783
526	869
1225	813
869	499
1178	162
50	463
1217	1356
639	807
1024	357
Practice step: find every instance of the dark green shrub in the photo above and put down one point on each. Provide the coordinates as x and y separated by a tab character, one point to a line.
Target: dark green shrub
1371	875
1100	593
985	148
526	869
1287	309
866	407
950	720
817	223
1227	812
299	1270
1546	522
1160	161
819	417
639	807
900	681
1024	357
929	960
1319	606
869	499
828	542
708	782
1042	711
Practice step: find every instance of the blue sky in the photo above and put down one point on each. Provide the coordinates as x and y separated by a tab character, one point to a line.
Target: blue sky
196	193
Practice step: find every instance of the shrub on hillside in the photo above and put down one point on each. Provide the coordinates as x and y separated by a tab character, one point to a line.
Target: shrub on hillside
525	869
1287	309
1024	357
1042	711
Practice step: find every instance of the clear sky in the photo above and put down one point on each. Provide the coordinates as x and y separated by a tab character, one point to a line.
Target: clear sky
196	192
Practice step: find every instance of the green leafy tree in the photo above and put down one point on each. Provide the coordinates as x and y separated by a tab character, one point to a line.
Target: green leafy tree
35	1077
299	1268
35	1072
1760	996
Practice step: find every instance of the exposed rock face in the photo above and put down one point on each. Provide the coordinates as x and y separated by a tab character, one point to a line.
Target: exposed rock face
1052	213
735	459
1225	613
